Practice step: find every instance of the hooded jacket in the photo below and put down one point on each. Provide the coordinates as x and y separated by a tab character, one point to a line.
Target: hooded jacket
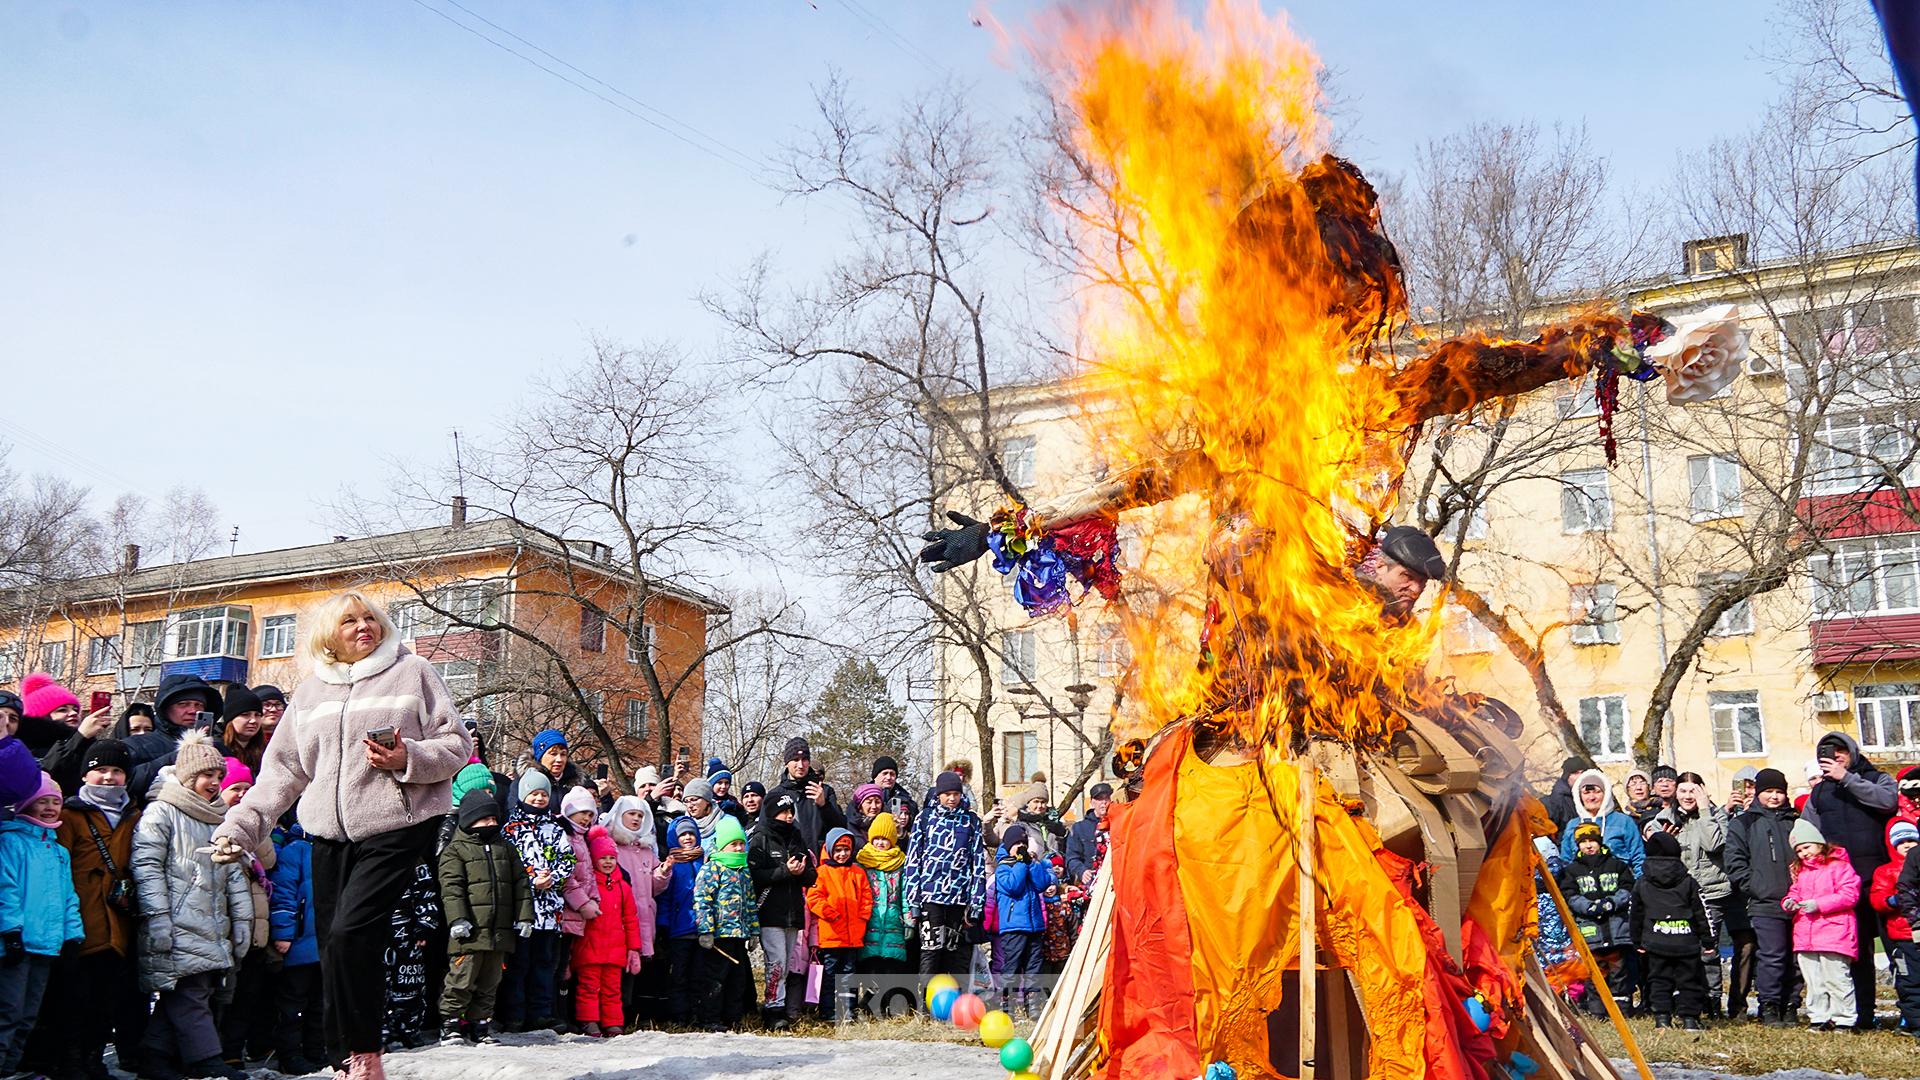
37	899
291	916
782	893
581	889
541	842
1599	892
108	928
1560	803
1703	846
1619	833
677	917
638	860
198	912
1828	881
1759	857
1853	811
154	750
723	901
483	882
1019	888
1669	917
317	754
615	932
841	898
1882	892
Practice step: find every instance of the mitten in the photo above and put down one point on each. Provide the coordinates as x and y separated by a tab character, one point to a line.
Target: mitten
949	548
590	909
13	948
633	961
706	941
160	935
461	930
911	931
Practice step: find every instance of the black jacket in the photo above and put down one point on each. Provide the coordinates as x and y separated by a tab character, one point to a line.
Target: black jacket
1599	890
1561	806
1083	847
812	821
1760	858
1669	918
1853	812
781	894
154	750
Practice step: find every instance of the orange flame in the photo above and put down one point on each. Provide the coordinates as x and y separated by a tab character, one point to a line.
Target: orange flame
1230	355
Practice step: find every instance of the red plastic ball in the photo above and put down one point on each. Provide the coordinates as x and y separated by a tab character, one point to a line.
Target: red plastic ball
967	1011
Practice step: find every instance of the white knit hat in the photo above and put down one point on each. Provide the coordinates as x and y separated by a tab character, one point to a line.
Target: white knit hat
648	775
578	799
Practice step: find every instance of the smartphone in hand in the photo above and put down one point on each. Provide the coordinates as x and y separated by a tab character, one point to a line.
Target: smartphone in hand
383	736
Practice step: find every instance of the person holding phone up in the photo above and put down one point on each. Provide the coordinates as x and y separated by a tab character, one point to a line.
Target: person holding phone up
369	745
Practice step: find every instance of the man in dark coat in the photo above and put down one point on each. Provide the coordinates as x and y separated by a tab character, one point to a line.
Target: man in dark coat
816	810
1759	856
1083	841
180	700
1851	807
1561	804
886	773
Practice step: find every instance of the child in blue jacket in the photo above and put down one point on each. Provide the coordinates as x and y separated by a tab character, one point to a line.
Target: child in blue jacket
679	924
39	915
302	1032
1021	885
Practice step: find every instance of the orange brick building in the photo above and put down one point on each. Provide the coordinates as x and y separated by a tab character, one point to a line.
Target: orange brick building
543	659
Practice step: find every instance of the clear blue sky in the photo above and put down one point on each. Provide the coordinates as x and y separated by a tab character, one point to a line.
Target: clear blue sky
261	247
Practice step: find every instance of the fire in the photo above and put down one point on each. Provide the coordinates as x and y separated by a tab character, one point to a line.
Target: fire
1228	354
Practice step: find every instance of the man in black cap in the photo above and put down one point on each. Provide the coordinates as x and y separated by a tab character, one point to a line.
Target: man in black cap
815	808
886	775
180	700
1087	841
272	704
1851	807
1562	806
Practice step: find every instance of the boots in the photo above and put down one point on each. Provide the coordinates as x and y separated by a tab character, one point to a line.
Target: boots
1773	1016
365	1067
452	1035
477	1031
1661	1020
591	1029
1691	1023
214	1067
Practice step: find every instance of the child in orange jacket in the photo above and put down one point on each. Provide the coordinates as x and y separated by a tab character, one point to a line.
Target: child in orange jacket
841	900
610	945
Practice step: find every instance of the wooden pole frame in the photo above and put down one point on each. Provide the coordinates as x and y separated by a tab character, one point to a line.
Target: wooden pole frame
1593	968
1309	899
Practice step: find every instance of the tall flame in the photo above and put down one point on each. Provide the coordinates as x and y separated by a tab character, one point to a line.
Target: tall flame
1229	353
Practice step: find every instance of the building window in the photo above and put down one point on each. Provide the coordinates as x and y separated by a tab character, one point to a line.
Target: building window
1856	330
53	658
640	642
463	679
1737	731
147	644
1019	756
1736	620
593	630
1111	654
1595	614
637	708
1856	451
1017	457
9	663
1586	502
211	631
1466	634
469	605
596	703
1583	402
1889	715
1016	658
103	655
1713	487
1603	726
1877	575
277	635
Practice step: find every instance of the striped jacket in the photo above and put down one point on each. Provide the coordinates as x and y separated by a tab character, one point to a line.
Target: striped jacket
318	754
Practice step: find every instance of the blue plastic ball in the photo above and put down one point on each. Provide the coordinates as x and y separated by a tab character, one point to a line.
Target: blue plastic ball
943	1004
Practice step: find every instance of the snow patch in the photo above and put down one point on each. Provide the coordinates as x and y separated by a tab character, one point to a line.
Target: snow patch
654	1055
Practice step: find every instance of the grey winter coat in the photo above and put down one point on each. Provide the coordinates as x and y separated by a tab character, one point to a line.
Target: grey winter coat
1703	844
198	913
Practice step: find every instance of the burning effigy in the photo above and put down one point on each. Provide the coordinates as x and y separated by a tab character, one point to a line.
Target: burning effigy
1326	863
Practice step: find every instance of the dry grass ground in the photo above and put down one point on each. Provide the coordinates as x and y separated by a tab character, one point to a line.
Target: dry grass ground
1749	1049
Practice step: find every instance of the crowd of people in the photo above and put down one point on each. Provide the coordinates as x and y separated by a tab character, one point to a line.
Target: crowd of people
226	878
1694	908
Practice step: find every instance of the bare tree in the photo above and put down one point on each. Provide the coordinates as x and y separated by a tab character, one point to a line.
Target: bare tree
1833	56
758	691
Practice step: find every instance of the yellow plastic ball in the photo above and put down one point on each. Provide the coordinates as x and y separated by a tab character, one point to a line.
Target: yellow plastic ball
995	1029
1026	1076
939	983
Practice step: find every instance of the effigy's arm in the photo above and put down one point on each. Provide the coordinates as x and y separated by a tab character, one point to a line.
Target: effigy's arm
1145	484
1465	372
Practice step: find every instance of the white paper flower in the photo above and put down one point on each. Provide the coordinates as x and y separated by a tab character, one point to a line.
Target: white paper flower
1702	355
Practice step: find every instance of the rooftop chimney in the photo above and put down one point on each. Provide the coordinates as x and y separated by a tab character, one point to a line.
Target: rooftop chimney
130	558
339	538
459	511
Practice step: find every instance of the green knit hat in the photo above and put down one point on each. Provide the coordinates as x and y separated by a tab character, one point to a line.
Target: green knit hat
473	776
724	833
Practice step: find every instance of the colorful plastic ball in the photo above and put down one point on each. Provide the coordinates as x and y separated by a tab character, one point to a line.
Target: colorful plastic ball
995	1029
1026	1076
1016	1055
939	983
943	1004
967	1010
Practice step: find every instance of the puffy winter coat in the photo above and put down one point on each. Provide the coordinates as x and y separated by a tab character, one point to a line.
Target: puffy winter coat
37	900
108	928
198	912
841	900
259	871
1703	847
947	860
483	882
1019	887
580	888
1620	833
608	938
812	820
317	756
723	901
1669	916
1083	847
638	862
677	918
292	918
783	894
1830	882
1759	858
1853	811
541	841
1881	892
887	921
1599	891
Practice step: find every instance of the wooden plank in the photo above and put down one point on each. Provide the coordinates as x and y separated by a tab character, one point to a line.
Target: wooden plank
1309	901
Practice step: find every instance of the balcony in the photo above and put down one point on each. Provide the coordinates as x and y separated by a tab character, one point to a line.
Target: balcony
211	668
1864	639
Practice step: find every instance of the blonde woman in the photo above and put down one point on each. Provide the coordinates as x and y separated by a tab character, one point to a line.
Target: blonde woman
369	745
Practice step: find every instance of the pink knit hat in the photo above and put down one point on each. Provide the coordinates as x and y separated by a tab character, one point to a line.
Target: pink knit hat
47	787
600	842
237	773
40	695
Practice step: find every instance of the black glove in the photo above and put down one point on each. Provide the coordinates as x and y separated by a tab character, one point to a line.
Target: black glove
950	548
13	948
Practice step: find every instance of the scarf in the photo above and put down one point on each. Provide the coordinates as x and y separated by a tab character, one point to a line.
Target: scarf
108	799
875	859
735	859
195	807
706	825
